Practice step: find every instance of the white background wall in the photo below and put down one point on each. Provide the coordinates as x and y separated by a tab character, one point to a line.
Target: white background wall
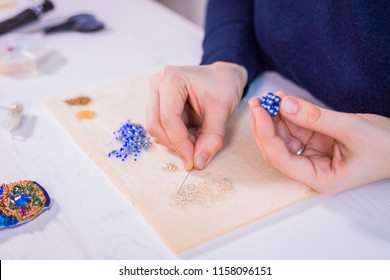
194	10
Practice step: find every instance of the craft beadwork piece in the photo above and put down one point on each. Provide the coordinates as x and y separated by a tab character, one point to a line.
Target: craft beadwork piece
270	102
21	202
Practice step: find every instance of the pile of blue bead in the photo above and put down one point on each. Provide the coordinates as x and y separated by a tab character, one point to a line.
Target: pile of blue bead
133	139
270	102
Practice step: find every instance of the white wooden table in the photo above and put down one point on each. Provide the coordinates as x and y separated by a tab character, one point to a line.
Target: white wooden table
90	219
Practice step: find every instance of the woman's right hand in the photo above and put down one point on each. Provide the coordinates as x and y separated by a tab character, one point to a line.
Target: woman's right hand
337	151
189	107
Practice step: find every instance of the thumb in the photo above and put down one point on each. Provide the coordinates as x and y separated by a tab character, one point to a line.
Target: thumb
210	140
310	116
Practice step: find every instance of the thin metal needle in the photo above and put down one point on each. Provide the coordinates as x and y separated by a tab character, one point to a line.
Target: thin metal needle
184	180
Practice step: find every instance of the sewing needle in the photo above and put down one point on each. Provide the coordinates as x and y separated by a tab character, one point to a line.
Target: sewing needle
184	180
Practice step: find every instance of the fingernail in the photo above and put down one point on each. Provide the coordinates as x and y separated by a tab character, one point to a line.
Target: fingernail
290	106
251	102
188	166
201	160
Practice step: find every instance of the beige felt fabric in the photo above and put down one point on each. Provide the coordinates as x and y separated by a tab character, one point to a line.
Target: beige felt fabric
258	189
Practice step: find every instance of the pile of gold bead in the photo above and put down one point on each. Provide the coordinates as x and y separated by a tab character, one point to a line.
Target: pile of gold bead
81	100
169	167
203	193
85	114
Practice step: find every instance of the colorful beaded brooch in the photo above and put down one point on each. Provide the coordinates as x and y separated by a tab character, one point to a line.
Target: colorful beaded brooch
270	103
21	202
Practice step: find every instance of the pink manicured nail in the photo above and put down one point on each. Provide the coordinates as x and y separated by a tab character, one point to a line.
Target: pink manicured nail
289	105
252	102
201	160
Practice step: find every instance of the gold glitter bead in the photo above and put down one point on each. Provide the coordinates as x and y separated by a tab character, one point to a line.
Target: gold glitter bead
170	166
81	100
208	191
85	114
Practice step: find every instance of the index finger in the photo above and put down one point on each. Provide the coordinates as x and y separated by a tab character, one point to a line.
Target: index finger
172	100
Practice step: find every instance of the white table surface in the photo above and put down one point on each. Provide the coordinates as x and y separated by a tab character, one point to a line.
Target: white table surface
91	219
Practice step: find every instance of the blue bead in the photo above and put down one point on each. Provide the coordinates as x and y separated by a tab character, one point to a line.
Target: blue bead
21	200
271	103
133	139
7	221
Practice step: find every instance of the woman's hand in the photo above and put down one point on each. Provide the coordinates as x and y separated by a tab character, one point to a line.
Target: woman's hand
189	107
342	150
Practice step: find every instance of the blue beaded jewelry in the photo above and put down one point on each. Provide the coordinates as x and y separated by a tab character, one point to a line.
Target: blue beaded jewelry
133	139
270	103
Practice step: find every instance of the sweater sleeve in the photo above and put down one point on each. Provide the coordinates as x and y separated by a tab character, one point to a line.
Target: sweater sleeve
230	35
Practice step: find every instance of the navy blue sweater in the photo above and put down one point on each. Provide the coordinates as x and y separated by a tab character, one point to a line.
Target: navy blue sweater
338	50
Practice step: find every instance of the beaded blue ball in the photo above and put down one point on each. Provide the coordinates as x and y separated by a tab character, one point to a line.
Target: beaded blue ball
270	103
133	138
